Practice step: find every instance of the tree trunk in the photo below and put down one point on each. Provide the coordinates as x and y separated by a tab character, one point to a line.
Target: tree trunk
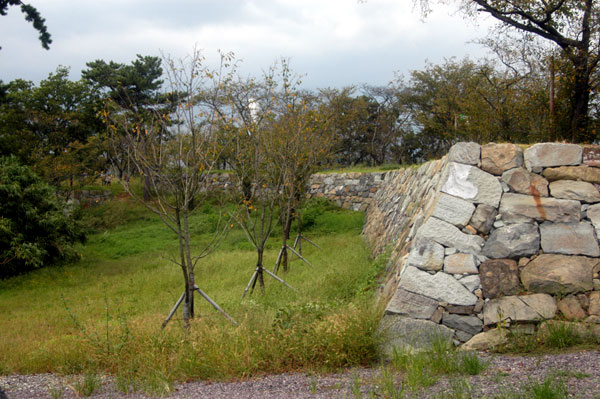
259	269
287	226
147	189
580	101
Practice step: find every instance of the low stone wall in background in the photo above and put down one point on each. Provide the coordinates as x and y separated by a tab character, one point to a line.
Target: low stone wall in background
490	235
348	190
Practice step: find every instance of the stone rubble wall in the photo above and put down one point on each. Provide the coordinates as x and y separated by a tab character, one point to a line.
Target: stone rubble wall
353	191
489	235
348	190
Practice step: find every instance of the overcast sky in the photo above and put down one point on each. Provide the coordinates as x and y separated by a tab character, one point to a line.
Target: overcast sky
334	43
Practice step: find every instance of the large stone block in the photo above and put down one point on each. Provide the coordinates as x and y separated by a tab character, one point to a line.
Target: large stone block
450	236
535	307
460	264
574	190
516	208
483	218
569	239
469	324
521	181
466	153
545	155
593	214
412	305
426	254
402	331
583	173
559	274
499	277
454	210
486	340
496	158
473	184
513	241
440	286
571	308
472	282
594	307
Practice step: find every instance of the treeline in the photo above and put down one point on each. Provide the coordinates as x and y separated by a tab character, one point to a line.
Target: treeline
72	132
57	126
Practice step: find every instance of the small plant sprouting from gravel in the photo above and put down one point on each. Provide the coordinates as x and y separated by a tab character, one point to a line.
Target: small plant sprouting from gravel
87	384
470	363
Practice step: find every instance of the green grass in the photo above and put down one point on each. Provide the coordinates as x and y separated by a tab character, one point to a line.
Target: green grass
552	336
422	368
103	313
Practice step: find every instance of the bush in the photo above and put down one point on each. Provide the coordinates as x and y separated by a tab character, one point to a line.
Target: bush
35	231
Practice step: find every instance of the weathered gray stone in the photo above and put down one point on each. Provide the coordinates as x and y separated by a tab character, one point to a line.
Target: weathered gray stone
545	155
516	208
411	305
472	282
496	158
454	210
467	153
533	307
594	307
402	332
591	155
462	336
483	218
571	308
583	173
513	241
593	213
450	236
486	340
569	239
440	286
460	264
521	181
574	190
473	184
559	274
499	277
426	254
458	309
469	324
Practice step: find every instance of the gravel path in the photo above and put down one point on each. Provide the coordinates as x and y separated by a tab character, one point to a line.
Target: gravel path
580	371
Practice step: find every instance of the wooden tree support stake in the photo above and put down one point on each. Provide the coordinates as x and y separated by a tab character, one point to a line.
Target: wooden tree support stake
214	304
254	277
164	324
301	237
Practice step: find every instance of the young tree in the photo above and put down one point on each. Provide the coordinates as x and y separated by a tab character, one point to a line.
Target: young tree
299	142
177	152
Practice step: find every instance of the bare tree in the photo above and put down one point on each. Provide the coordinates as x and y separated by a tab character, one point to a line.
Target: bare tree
176	153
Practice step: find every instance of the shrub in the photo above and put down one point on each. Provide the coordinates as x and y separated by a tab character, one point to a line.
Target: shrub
35	230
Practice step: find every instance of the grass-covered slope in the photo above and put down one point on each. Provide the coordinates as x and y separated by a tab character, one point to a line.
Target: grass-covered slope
103	314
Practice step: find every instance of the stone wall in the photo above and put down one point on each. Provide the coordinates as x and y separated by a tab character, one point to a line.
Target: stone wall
348	190
489	235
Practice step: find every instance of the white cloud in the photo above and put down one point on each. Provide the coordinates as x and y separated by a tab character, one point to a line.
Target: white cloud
335	42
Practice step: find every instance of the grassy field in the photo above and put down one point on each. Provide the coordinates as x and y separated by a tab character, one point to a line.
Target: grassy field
103	313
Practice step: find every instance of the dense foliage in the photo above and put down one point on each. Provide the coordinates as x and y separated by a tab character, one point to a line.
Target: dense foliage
35	231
